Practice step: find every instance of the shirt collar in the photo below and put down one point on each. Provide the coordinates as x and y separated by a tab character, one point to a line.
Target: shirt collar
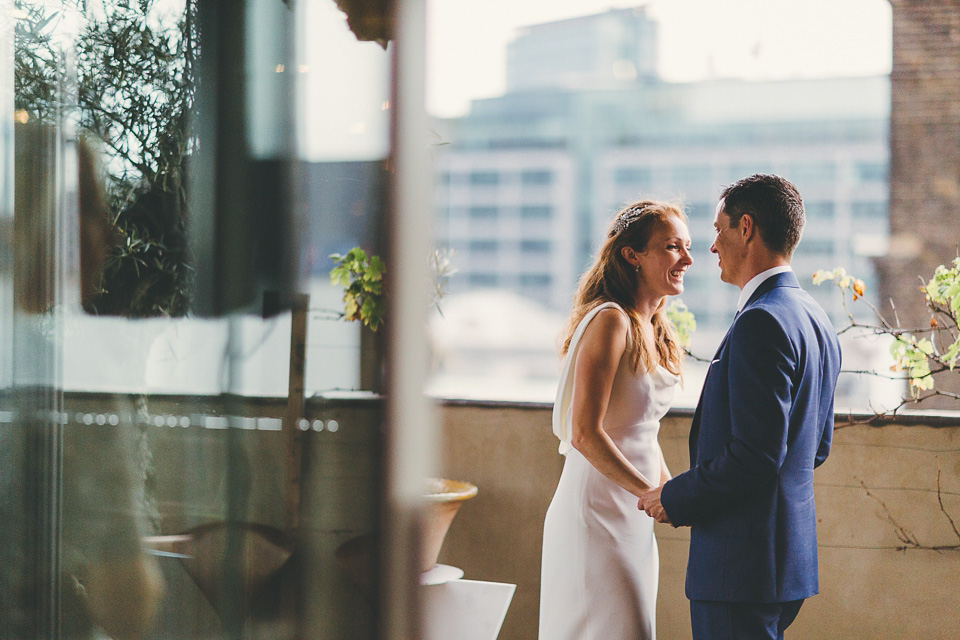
756	281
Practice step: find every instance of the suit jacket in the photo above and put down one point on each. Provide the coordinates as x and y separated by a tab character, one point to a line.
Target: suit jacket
763	423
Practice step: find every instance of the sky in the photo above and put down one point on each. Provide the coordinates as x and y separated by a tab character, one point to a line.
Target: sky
756	39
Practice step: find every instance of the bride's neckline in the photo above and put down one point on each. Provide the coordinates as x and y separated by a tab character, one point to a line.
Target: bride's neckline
666	373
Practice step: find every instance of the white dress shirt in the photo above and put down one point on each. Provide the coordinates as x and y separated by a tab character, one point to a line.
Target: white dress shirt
756	281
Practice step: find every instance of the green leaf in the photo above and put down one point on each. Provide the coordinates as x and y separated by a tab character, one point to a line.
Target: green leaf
683	321
924	346
951	354
350	307
953	290
340	276
376	269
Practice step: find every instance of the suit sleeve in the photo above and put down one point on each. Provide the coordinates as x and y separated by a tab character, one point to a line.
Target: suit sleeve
761	367
826	440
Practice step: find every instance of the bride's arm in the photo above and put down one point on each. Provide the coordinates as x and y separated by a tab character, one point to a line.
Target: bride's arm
664	471
601	347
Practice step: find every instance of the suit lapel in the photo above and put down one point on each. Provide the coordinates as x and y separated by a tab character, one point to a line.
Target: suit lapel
785	279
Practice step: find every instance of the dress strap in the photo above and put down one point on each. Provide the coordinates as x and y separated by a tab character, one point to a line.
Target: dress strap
563	405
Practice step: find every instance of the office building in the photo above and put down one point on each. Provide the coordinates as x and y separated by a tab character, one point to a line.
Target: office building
530	180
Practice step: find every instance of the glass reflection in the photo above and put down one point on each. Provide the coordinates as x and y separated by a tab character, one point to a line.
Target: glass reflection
167	314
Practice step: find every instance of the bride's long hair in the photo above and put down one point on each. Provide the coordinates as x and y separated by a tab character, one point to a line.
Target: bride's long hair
612	279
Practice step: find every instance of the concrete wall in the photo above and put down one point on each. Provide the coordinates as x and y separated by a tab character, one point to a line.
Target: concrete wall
877	501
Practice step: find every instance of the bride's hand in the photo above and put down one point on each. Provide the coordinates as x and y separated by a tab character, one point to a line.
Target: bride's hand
650	502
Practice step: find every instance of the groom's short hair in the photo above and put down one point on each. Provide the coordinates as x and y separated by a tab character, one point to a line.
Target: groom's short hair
775	206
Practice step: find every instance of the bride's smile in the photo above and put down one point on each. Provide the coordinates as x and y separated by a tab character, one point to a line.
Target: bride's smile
665	260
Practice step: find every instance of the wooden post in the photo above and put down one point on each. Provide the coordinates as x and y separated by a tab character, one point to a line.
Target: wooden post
295	400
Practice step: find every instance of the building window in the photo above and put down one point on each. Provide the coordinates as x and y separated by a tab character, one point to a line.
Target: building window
804	175
632	176
866	211
484	178
816	246
691	176
536	178
538	211
535	279
738	171
819	210
483	213
535	246
871	172
483	246
700	211
483	279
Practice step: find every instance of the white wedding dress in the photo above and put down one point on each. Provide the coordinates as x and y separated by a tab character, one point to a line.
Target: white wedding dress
600	564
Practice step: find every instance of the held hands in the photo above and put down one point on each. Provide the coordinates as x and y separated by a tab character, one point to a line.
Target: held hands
650	502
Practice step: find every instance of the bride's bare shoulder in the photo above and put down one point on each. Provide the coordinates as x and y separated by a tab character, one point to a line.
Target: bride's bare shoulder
611	322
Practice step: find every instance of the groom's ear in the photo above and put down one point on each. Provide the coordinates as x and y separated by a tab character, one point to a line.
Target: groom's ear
747	227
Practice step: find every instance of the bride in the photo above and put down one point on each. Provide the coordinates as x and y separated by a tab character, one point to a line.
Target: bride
600	563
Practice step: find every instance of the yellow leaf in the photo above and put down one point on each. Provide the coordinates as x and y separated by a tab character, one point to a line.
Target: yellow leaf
859	288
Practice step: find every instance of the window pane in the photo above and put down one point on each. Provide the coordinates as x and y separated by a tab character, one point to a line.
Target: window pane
535	211
632	176
535	246
484	178
871	172
538	178
483	213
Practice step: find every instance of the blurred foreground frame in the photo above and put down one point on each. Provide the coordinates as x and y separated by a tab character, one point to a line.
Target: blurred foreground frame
243	213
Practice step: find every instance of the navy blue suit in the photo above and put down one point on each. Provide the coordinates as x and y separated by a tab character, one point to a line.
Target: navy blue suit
763	423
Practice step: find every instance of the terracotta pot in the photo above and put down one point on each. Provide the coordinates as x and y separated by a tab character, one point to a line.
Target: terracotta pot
444	498
358	556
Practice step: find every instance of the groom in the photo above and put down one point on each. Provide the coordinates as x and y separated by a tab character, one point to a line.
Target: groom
763	423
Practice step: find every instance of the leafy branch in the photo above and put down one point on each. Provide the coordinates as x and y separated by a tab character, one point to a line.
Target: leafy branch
135	88
362	279
684	322
918	353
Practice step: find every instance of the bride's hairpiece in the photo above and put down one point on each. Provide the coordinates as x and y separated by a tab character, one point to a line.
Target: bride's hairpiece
624	219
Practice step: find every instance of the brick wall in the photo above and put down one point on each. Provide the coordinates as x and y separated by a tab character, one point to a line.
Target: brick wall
925	154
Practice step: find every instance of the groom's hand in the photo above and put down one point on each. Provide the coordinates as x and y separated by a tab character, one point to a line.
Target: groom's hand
650	502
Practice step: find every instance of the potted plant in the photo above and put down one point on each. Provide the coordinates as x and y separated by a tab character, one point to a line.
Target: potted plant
364	300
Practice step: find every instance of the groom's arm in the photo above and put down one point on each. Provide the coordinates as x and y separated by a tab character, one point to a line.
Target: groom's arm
823	450
761	367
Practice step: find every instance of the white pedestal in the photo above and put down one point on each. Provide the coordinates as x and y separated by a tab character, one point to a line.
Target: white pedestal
465	609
